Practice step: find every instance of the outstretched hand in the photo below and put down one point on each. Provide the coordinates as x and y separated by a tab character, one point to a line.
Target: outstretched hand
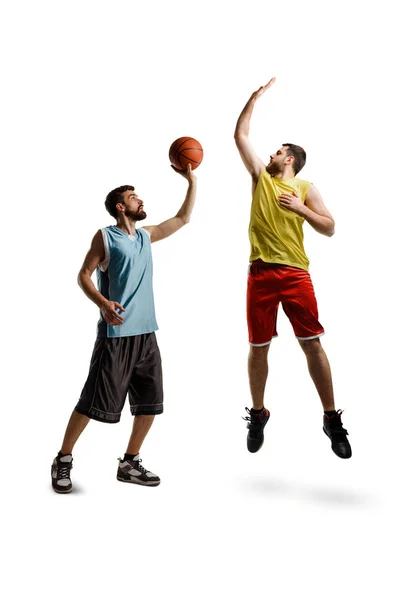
188	174
262	89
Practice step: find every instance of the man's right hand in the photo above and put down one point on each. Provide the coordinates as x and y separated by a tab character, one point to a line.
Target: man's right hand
108	310
262	89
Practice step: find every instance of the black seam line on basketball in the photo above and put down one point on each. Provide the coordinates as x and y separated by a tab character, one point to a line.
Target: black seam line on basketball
185	140
174	152
180	164
199	149
189	160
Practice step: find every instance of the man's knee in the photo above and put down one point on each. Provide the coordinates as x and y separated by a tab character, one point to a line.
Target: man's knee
259	351
311	346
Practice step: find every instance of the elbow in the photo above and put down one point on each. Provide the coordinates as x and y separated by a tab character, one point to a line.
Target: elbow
330	230
237	136
184	219
80	279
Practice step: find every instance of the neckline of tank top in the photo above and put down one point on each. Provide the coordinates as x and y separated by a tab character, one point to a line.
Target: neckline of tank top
278	178
130	235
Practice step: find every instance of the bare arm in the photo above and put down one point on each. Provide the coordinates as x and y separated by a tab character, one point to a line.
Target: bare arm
182	217
92	260
313	211
252	162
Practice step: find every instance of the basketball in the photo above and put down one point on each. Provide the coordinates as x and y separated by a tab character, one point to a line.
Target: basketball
186	150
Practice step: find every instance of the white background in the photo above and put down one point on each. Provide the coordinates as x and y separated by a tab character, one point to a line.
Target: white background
93	95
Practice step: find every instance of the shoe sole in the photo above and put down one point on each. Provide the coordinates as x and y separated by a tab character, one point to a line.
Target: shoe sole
148	484
259	448
63	491
338	455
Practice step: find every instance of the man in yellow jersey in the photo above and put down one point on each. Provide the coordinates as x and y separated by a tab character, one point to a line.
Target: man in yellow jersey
279	274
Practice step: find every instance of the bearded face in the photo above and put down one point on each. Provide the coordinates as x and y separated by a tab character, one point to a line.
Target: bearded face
275	165
136	215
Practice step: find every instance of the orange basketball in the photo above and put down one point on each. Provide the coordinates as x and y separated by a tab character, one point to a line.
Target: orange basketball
186	150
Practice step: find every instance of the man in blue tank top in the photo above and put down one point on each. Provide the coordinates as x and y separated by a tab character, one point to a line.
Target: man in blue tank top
126	358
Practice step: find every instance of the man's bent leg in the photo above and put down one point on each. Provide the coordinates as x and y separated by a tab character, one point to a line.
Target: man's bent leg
140	428
130	468
76	425
320	371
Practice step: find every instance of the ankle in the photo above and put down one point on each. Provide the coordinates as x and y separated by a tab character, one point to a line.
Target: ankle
64	453
128	456
330	413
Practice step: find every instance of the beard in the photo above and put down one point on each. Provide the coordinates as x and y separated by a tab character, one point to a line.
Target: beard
136	215
274	169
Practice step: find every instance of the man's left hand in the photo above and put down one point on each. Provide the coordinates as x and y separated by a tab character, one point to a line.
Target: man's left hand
292	202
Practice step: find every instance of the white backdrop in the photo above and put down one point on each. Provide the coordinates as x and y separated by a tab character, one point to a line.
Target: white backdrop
93	95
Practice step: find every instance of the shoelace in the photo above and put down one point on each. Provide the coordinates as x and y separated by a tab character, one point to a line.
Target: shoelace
249	417
255	418
338	429
140	466
63	472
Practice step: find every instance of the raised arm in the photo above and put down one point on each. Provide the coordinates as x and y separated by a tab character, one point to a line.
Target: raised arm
182	217
252	162
92	260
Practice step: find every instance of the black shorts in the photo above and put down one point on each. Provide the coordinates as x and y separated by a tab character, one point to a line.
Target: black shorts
120	366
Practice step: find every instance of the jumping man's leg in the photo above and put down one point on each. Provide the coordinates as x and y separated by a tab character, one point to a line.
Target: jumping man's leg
258	416
320	371
258	373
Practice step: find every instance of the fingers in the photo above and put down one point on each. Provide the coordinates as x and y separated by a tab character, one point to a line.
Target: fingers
118	305
117	316
113	318
264	88
114	322
180	171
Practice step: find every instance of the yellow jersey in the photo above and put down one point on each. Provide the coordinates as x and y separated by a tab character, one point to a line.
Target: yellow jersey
276	233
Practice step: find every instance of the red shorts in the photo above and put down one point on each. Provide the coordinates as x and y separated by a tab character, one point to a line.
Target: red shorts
271	283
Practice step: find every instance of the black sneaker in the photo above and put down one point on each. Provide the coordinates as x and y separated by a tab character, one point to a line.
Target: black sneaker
338	435
132	471
256	424
60	474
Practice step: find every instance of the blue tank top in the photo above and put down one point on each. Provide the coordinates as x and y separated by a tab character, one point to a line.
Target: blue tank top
126	276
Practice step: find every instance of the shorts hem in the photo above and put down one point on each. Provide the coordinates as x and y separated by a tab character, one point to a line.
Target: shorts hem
313	337
137	411
264	344
96	417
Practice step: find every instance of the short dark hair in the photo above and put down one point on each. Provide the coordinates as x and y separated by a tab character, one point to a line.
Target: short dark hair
299	156
114	197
